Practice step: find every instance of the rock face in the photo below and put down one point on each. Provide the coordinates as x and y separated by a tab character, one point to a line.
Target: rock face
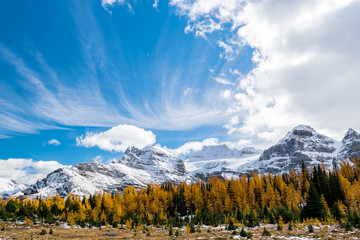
350	145
138	167
302	144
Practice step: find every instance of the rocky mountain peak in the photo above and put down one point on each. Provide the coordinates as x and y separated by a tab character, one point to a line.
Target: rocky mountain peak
215	152
9	186
300	132
350	145
351	135
220	147
301	144
250	151
153	164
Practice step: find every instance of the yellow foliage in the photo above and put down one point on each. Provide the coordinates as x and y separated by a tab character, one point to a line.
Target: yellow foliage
187	228
129	223
71	218
28	222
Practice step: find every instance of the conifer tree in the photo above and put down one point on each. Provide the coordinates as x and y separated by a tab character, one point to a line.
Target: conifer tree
314	207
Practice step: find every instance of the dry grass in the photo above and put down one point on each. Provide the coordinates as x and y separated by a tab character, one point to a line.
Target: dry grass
22	231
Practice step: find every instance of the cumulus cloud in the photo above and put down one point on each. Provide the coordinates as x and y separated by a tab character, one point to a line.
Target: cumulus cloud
54	142
117	138
107	3
194	146
26	170
307	60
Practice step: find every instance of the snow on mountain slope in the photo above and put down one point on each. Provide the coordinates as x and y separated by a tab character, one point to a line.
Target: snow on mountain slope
220	152
219	160
350	145
301	144
138	167
9	187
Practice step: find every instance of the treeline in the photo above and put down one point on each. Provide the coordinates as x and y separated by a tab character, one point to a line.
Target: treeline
322	195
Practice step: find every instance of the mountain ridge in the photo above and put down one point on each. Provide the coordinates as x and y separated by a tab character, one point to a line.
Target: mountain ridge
153	164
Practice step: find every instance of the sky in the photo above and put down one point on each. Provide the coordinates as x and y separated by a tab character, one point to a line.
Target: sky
83	80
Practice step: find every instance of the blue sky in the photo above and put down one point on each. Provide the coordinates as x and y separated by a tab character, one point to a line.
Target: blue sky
100	75
127	66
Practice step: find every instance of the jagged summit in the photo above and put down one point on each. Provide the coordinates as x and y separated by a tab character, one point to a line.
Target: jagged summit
301	144
9	186
138	167
351	134
219	160
350	145
220	152
154	164
299	132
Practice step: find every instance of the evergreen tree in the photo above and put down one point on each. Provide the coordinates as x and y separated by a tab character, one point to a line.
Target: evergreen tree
314	207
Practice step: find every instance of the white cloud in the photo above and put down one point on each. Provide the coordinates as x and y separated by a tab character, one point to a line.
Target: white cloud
26	170
117	138
190	91
110	3
198	145
307	61
223	81
155	4
225	94
194	146
54	142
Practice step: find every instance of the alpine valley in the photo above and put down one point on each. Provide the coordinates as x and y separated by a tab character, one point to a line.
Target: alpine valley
153	164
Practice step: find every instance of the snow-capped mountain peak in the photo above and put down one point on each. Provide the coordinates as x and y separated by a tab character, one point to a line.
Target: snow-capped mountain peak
351	135
350	145
138	167
301	144
9	186
154	164
220	152
300	132
219	160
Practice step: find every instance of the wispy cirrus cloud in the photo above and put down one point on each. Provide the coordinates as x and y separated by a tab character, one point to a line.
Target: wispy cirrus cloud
107	4
223	81
103	92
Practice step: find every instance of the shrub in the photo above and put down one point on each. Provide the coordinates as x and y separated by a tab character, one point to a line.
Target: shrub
170	231
243	233
266	232
290	228
348	226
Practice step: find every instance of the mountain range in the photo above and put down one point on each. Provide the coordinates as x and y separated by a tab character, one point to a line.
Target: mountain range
153	164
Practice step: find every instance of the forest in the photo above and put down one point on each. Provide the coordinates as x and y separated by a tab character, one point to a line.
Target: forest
316	195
